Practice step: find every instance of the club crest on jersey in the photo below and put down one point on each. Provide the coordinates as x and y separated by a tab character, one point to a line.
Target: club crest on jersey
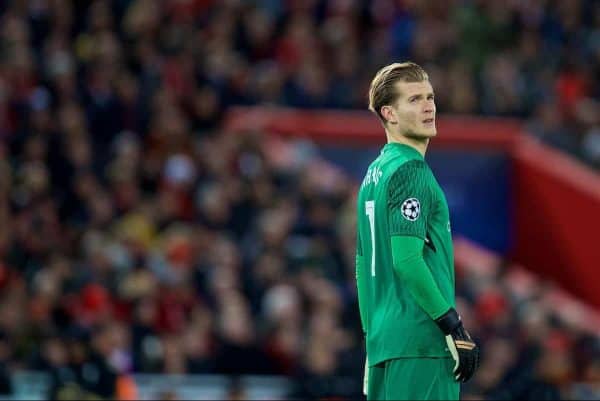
411	209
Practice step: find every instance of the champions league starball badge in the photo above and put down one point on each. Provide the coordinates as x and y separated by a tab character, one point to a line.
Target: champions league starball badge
411	209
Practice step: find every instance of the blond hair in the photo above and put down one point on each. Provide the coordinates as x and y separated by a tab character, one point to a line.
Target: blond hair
382	90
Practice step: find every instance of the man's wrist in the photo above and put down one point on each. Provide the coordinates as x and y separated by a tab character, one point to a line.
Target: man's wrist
449	321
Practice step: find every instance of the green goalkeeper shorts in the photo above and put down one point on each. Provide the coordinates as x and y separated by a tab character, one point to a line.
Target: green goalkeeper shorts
413	379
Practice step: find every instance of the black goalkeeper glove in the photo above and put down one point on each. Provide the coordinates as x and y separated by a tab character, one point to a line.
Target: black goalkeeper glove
463	349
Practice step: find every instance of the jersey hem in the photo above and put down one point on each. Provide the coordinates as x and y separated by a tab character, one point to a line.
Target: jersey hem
378	361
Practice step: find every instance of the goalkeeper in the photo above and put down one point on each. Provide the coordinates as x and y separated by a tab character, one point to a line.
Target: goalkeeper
417	347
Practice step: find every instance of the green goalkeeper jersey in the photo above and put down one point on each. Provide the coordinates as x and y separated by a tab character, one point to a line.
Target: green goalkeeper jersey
399	196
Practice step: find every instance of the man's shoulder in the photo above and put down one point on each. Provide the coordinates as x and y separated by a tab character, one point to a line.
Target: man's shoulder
389	170
408	168
410	175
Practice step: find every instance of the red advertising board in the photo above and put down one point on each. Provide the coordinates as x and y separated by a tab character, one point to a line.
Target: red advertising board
556	199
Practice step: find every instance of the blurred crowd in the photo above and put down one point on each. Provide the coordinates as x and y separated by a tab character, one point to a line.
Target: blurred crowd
138	237
530	349
131	64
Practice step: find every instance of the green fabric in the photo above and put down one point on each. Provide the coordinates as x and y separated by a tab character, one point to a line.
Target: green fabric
407	254
359	270
410	182
413	379
395	323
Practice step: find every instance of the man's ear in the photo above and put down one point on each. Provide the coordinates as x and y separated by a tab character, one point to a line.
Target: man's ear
389	114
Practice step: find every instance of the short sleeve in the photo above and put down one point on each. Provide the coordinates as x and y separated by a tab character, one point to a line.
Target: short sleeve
409	199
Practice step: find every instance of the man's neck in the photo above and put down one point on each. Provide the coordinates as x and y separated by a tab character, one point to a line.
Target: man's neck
419	144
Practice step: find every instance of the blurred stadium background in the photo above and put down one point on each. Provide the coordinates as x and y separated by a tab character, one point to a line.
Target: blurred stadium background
177	182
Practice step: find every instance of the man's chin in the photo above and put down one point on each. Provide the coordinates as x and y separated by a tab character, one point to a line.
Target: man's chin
424	134
429	132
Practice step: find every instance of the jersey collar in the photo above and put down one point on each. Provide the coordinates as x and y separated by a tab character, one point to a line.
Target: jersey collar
401	147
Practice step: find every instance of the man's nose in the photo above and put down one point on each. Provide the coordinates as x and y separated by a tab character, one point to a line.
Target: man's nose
429	105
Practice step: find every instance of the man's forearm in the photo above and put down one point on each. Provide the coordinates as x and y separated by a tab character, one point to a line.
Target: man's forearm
407	253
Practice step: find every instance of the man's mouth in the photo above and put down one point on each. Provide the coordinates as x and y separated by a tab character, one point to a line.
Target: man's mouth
429	121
